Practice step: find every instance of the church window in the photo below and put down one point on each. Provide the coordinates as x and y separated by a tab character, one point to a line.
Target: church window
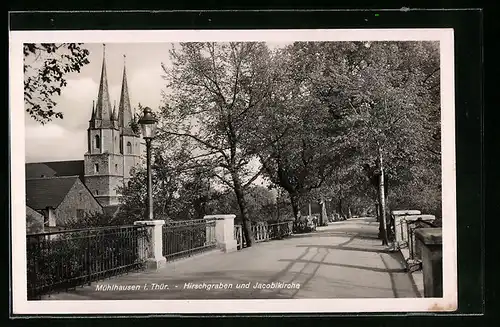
121	146
96	168
116	168
129	148
97	142
96	192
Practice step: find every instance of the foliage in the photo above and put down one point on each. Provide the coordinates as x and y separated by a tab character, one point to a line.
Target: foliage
45	68
94	219
261	204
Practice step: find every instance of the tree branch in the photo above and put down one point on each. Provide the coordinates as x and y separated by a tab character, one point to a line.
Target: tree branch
430	75
208	145
261	170
224	181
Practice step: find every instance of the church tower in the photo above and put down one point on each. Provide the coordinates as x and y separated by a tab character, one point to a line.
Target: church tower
129	139
104	164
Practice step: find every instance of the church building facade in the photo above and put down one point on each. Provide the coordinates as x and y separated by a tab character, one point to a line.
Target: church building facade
113	146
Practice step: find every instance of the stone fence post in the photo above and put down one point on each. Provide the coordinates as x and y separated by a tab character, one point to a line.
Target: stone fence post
401	221
224	231
154	246
430	243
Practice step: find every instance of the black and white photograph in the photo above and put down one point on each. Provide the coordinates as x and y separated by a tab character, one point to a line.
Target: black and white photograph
276	171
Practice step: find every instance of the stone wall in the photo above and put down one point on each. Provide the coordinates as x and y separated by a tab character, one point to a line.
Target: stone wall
430	241
77	202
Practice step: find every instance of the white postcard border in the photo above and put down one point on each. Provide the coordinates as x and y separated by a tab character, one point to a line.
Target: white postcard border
17	160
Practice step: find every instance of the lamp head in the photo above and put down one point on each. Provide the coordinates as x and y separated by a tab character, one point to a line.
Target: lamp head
148	124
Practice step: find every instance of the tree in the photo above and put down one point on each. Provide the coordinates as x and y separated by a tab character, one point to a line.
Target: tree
45	68
390	106
181	189
380	102
314	141
214	93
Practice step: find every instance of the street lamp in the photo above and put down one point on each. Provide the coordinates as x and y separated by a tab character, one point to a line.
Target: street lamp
148	127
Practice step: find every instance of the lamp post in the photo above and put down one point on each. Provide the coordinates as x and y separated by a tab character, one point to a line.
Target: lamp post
148	127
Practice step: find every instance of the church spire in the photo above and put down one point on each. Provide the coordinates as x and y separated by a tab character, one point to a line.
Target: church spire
92	116
124	109
113	113
103	107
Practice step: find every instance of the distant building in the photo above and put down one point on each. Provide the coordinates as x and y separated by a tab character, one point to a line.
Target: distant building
60	200
113	149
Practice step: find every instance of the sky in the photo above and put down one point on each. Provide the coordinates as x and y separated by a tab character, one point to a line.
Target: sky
65	139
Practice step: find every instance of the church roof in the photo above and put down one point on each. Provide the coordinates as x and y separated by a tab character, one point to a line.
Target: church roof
124	108
103	106
48	192
56	169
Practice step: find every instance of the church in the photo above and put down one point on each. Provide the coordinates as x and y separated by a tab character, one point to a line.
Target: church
113	149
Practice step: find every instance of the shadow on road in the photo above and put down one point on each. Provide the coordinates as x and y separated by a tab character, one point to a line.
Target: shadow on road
349	248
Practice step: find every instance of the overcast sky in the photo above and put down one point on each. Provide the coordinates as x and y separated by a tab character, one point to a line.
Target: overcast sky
66	139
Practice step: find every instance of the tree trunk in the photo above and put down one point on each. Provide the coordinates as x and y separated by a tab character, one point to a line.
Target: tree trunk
247	225
383	220
323	216
294	199
340	207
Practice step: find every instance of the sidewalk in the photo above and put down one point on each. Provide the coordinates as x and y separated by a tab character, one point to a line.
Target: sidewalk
342	260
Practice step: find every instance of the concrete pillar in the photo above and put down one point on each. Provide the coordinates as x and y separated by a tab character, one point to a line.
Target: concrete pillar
155	258
402	219
430	242
400	226
224	231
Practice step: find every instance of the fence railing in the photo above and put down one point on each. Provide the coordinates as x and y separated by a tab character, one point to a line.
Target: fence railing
412	227
188	237
280	230
66	259
263	232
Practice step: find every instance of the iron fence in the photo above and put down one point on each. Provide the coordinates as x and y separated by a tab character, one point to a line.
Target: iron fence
280	230
188	237
263	232
66	259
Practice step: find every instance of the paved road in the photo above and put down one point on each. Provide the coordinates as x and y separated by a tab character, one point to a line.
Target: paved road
342	260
